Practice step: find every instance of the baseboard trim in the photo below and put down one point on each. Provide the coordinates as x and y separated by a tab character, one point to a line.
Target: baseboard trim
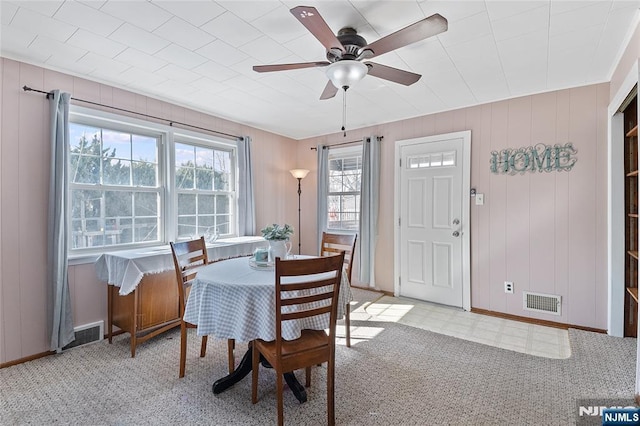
535	321
26	359
42	354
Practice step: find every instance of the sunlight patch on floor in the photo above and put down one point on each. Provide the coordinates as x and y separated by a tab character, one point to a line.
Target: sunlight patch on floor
517	336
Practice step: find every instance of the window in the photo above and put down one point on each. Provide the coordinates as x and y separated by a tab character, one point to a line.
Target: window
343	203
135	183
203	181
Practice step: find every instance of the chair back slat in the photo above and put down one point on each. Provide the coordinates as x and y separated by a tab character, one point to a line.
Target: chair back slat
305	314
301	292
188	258
336	243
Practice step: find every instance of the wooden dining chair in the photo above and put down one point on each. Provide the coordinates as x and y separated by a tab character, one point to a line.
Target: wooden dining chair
300	296
336	243
188	258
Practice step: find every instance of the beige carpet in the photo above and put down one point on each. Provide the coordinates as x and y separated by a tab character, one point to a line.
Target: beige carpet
399	375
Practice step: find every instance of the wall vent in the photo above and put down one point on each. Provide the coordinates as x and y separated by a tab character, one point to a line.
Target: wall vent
546	303
87	333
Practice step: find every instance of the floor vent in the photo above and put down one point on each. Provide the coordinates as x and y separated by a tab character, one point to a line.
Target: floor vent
546	303
87	333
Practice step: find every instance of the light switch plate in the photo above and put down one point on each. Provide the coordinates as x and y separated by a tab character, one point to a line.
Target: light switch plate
479	199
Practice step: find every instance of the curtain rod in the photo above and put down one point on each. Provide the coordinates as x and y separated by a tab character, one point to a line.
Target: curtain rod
171	122
313	148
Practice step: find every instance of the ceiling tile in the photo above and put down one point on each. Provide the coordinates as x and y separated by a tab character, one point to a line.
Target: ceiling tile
107	65
595	13
265	50
98	44
196	12
215	71
179	74
184	34
15	39
7	12
62	51
249	10
388	17
181	56
47	8
139	39
523	23
453	11
307	48
587	38
466	29
280	25
221	53
505	9
145	15
140	60
96	4
231	29
44	25
135	77
492	50
88	18
210	85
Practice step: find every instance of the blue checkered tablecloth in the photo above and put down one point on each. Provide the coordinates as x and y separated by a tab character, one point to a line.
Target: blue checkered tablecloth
231	300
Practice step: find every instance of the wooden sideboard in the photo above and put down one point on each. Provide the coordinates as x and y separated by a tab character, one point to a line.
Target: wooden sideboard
151	309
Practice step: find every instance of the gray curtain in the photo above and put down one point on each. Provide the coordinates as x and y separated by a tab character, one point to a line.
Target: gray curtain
369	201
246	201
323	188
59	298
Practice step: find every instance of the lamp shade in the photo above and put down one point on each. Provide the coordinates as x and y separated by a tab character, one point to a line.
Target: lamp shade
299	173
346	72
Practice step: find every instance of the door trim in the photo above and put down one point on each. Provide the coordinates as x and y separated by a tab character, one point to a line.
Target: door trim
466	213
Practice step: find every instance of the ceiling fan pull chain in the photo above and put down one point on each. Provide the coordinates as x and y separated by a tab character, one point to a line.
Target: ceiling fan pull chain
344	111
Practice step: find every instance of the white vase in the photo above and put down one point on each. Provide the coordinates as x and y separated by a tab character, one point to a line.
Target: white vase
279	248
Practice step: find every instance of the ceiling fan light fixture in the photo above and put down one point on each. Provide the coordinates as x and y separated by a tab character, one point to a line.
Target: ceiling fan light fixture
346	73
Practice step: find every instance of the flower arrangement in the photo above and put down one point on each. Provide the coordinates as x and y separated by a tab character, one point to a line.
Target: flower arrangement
277	232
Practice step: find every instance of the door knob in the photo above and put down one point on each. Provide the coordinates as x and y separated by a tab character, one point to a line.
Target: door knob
456	221
456	234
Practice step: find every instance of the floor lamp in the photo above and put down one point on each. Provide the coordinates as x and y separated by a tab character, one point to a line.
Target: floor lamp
299	174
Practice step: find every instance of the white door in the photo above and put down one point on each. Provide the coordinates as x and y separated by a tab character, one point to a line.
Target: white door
433	219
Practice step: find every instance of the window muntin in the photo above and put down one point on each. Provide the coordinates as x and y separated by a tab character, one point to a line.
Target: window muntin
204	182
343	200
114	186
435	159
122	189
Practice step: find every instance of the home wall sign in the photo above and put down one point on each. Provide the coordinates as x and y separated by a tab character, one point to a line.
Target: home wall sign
537	158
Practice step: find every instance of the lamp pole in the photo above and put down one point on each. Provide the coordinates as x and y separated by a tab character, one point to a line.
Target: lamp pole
299	174
299	235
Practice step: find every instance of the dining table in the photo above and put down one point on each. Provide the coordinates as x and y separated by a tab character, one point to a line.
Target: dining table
235	299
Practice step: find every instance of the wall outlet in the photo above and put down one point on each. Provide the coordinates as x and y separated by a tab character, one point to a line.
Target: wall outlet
508	287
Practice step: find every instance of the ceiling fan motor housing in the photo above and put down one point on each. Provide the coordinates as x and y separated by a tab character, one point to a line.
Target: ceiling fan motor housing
352	43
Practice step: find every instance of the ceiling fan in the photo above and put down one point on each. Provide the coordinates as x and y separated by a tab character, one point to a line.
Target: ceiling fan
347	50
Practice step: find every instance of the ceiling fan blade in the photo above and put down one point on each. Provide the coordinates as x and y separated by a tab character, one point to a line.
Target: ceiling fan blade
428	27
392	74
311	19
285	67
329	91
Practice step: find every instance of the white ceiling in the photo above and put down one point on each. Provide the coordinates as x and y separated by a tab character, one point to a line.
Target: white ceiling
199	54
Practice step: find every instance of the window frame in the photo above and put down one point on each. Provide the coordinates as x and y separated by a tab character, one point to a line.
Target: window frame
168	136
196	139
342	153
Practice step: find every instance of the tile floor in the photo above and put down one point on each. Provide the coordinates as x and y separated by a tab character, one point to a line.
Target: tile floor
507	334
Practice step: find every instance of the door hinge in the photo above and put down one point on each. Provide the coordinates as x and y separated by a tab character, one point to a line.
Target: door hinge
399	222
401	162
